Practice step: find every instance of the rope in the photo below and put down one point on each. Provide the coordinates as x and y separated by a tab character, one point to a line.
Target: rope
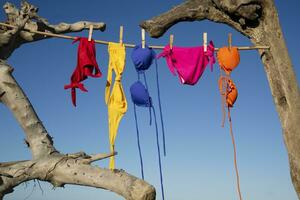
235	156
106	42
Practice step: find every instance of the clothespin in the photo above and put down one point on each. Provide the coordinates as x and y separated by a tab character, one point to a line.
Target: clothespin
90	33
143	38
121	34
205	41
229	41
171	41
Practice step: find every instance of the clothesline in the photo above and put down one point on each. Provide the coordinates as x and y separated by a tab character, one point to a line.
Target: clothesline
106	42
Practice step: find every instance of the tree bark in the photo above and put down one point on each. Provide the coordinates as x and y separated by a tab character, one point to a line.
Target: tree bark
47	163
257	20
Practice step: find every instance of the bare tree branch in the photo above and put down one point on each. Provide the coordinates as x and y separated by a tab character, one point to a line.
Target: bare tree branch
257	20
47	163
37	137
97	157
61	169
234	13
27	17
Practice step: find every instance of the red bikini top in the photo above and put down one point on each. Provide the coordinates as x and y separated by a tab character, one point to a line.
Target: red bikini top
86	66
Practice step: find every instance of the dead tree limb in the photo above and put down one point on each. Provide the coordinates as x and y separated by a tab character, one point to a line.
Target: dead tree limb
258	20
27	17
47	163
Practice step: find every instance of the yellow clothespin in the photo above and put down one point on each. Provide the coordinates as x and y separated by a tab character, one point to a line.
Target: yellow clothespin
229	41
143	38
205	41
90	33
121	34
171	41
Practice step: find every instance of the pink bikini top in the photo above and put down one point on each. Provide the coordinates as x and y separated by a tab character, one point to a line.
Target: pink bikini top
189	62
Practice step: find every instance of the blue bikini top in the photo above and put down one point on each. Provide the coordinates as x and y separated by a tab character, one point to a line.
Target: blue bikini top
142	59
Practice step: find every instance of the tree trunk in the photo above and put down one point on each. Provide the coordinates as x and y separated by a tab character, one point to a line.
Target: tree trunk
283	85
257	20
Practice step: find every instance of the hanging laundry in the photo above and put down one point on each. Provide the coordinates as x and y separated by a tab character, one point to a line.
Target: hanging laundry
86	66
142	59
228	90
115	99
188	62
228	59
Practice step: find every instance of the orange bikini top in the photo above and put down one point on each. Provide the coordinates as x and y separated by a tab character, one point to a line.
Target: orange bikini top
228	90
228	58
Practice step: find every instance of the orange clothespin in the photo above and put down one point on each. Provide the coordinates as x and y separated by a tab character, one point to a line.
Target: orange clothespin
90	32
121	35
205	41
171	41
143	38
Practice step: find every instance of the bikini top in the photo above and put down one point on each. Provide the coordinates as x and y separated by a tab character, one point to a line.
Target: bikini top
142	59
228	58
86	66
140	95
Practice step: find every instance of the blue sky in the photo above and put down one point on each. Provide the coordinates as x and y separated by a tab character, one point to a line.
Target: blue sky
199	164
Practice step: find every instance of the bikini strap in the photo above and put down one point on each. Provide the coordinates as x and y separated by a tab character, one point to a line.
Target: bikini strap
73	87
138	141
160	108
210	54
159	158
76	40
168	54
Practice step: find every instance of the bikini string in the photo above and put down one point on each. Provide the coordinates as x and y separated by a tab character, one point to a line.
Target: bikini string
138	142
143	72
235	156
160	109
159	158
223	97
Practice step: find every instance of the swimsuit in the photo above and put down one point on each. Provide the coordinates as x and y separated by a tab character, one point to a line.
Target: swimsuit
86	66
115	100
189	63
142	59
228	59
